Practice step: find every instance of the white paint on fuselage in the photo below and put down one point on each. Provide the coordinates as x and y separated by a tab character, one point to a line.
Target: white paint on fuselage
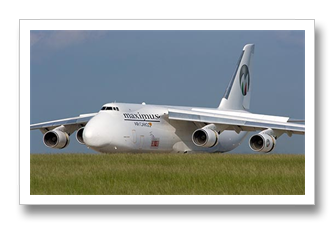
146	128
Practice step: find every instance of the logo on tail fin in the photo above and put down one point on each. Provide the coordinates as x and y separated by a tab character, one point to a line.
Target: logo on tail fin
244	79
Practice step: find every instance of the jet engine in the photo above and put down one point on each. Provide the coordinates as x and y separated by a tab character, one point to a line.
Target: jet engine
262	142
79	135
56	139
206	136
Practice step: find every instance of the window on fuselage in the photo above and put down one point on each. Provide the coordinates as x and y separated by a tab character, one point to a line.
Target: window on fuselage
110	108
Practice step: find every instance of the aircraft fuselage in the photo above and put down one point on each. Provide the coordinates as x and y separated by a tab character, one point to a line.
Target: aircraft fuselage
121	127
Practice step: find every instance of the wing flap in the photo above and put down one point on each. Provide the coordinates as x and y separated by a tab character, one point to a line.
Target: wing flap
238	121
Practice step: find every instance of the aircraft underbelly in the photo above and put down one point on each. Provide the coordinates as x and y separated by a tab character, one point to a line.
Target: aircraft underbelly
161	135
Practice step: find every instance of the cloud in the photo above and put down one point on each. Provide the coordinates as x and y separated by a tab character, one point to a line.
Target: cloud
291	37
44	44
62	39
35	38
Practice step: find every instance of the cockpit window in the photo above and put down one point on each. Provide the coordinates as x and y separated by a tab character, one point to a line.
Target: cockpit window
110	108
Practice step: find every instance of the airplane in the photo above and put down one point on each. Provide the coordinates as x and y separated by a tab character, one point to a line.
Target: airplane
144	128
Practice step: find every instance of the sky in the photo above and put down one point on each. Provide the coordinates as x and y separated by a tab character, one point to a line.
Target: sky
76	72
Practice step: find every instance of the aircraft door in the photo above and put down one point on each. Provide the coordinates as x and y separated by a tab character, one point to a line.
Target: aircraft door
134	136
141	141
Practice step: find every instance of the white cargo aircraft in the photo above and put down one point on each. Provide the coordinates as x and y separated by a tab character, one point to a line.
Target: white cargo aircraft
121	127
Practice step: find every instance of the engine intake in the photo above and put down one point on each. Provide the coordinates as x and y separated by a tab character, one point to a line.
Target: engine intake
79	135
56	139
262	142
206	136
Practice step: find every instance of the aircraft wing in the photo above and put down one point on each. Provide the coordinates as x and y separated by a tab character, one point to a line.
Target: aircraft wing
238	121
81	120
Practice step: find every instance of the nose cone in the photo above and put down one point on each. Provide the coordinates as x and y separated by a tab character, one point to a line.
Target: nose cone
96	132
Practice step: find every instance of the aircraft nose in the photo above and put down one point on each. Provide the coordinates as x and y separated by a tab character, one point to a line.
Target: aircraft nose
96	131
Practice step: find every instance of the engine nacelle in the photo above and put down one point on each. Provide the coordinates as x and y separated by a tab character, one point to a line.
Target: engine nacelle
205	137
262	142
56	139
79	135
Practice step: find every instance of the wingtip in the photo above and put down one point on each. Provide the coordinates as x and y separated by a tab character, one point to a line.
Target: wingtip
296	120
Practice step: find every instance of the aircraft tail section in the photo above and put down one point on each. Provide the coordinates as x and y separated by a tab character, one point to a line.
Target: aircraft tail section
237	95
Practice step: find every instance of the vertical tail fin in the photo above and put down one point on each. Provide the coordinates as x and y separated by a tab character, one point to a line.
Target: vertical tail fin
237	95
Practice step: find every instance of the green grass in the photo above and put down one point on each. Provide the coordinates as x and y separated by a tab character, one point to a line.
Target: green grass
167	174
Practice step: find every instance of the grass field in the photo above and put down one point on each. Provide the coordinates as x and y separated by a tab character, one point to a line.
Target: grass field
167	174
